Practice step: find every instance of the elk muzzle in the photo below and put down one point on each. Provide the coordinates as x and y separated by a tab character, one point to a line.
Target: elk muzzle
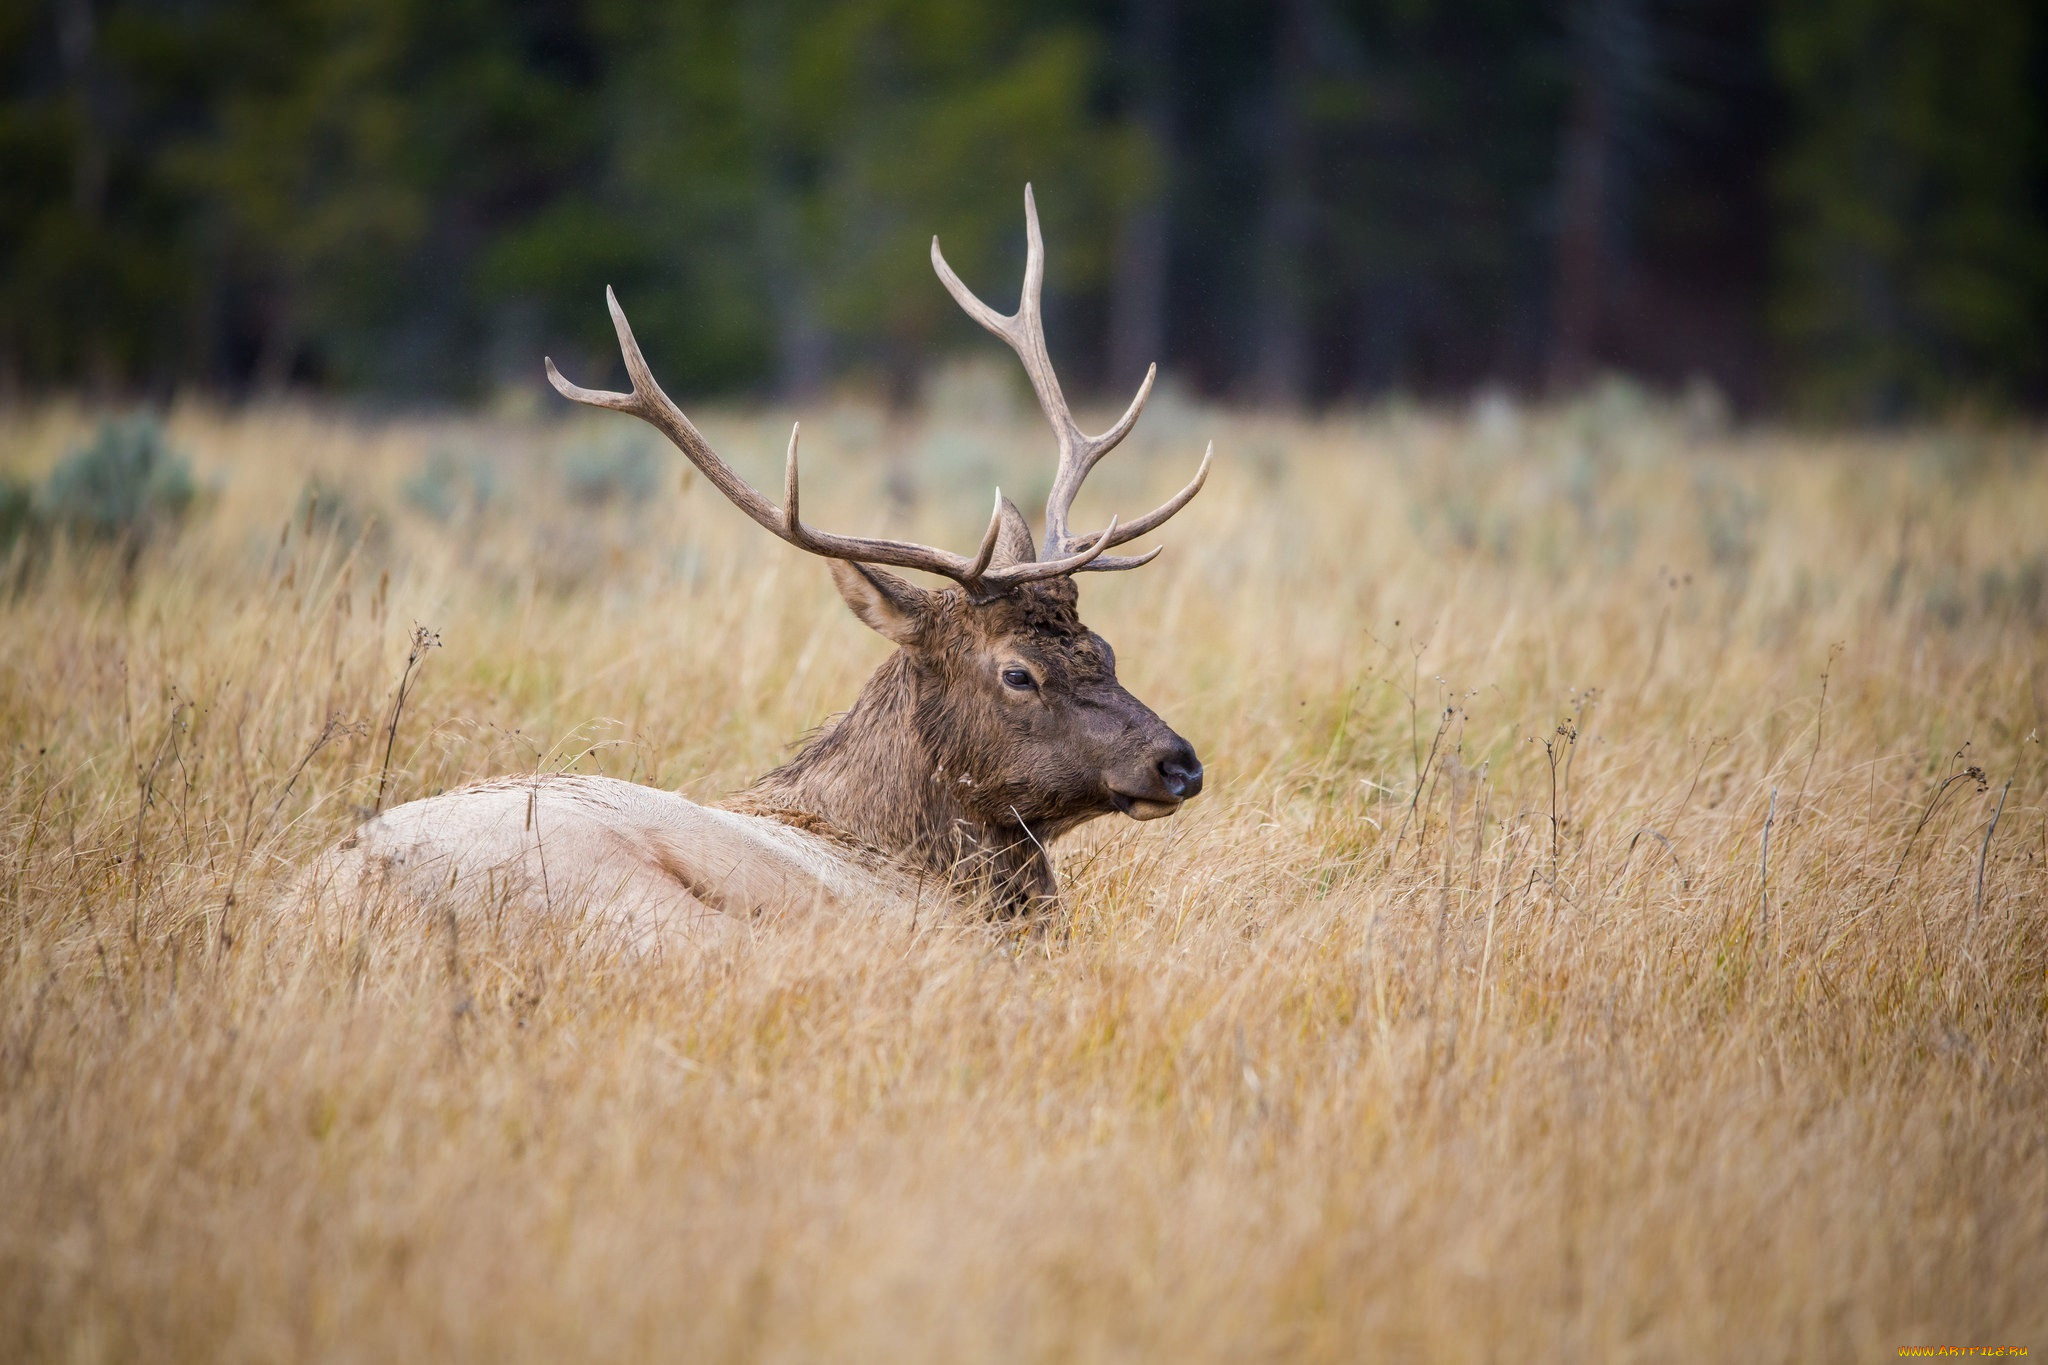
1169	775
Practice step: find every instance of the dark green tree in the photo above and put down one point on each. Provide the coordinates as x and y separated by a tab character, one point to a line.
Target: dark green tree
97	286
1303	201
788	162
1911	250
362	158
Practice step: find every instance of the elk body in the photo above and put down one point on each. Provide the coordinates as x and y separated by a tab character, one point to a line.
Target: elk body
997	726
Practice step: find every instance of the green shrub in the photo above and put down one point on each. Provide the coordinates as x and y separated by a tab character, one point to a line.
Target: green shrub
127	484
338	510
620	468
450	485
17	511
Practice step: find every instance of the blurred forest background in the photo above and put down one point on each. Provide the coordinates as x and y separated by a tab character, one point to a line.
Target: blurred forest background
1820	207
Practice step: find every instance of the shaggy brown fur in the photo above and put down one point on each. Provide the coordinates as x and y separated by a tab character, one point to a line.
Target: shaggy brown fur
949	768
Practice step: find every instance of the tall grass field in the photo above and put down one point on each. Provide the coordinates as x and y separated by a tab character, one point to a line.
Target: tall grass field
1615	927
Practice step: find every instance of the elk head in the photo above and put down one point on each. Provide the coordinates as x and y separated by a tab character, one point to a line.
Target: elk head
1013	704
1018	707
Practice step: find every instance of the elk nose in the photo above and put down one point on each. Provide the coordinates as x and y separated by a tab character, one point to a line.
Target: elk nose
1181	771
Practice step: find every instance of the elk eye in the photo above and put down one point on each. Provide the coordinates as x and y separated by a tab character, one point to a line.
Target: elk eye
1021	679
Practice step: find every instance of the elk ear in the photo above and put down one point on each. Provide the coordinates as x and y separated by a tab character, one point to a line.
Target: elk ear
1013	541
888	605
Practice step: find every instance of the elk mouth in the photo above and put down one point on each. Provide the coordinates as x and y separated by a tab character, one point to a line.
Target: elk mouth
1143	807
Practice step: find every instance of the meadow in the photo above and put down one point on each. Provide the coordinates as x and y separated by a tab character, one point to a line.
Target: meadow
1616	925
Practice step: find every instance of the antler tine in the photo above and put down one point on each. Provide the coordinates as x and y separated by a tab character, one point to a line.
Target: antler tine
987	552
1023	330
1099	446
968	301
652	406
792	526
596	398
1054	568
1034	270
1163	513
1059	503
1113	563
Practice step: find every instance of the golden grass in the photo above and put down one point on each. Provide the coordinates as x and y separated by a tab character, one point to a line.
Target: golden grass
1433	1031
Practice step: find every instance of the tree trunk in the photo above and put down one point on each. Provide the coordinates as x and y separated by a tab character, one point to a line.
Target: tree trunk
1580	267
1137	329
1611	67
800	341
1380	364
1280	370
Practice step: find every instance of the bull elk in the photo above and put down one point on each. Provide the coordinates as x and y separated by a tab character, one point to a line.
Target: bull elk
997	725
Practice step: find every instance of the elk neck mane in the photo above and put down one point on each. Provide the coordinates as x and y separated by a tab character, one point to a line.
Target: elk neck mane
895	773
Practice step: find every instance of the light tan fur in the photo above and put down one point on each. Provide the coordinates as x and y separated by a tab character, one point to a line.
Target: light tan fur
646	868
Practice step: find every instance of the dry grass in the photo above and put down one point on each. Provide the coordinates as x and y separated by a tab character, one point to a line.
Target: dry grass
1455	1022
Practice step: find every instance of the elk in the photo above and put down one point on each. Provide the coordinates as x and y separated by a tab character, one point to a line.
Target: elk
997	725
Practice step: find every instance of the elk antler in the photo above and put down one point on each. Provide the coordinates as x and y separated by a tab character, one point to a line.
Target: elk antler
657	409
1024	330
